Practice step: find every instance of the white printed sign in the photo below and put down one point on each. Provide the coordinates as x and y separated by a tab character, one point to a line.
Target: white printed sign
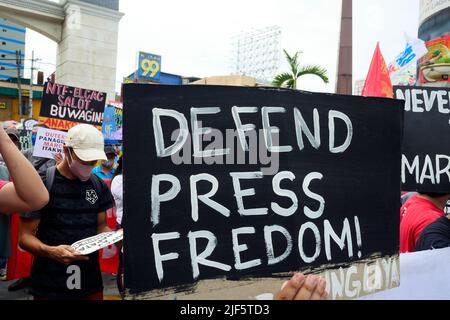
48	143
95	243
423	277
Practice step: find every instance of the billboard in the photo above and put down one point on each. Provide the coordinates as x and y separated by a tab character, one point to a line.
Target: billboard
149	67
435	65
431	7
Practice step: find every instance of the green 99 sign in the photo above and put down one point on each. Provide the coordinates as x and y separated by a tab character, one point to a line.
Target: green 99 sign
149	67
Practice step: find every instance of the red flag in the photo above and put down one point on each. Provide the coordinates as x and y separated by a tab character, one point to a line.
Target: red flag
378	82
109	256
19	264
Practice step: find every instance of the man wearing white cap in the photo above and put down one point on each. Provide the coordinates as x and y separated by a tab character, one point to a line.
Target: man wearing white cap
77	210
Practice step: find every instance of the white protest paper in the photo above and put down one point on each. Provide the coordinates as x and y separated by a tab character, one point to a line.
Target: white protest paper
95	243
423	276
48	143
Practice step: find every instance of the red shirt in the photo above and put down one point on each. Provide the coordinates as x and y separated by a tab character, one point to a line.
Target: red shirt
3	183
415	215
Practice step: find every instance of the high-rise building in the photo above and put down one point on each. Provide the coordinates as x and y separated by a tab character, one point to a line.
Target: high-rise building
434	19
12	40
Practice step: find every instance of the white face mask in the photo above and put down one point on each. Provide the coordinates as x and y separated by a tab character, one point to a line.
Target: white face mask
108	163
81	171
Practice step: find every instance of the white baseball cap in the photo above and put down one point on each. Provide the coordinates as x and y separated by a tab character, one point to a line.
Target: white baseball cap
87	142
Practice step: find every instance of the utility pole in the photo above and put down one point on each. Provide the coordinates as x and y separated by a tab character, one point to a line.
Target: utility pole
345	66
31	85
19	85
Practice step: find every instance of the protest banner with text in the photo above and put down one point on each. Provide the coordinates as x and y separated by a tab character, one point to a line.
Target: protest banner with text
251	184
426	155
25	139
49	143
64	107
113	122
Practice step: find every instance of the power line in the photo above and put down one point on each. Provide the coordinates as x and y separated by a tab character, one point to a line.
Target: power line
9	69
47	63
35	60
8	59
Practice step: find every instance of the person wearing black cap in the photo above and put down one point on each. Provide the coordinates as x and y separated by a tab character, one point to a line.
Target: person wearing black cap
13	134
106	169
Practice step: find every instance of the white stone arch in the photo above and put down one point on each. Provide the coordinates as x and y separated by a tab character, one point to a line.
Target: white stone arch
86	34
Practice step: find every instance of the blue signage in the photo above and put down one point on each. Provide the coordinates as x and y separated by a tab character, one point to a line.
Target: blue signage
149	67
109	122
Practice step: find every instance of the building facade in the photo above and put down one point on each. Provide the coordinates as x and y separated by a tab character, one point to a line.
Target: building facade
9	101
12	40
434	67
434	19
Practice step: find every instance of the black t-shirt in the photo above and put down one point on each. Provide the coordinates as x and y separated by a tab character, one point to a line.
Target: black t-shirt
435	236
71	215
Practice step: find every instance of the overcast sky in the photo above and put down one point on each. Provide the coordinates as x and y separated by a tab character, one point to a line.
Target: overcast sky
194	37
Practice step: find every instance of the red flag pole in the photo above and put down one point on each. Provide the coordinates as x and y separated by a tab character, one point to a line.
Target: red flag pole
378	82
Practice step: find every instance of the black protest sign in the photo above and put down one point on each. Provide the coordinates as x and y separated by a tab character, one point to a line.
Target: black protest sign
63	107
255	182
25	137
426	154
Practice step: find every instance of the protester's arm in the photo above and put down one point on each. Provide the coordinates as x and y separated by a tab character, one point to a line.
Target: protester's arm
28	241
106	202
301	287
102	223
28	192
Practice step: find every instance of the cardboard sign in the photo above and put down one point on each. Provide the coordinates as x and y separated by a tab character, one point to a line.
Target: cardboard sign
25	139
113	122
426	154
254	183
29	124
64	107
95	243
109	122
48	143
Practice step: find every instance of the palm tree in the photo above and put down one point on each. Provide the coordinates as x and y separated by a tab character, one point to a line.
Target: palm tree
289	79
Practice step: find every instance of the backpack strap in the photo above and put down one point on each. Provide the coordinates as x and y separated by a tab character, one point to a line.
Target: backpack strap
50	178
40	163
